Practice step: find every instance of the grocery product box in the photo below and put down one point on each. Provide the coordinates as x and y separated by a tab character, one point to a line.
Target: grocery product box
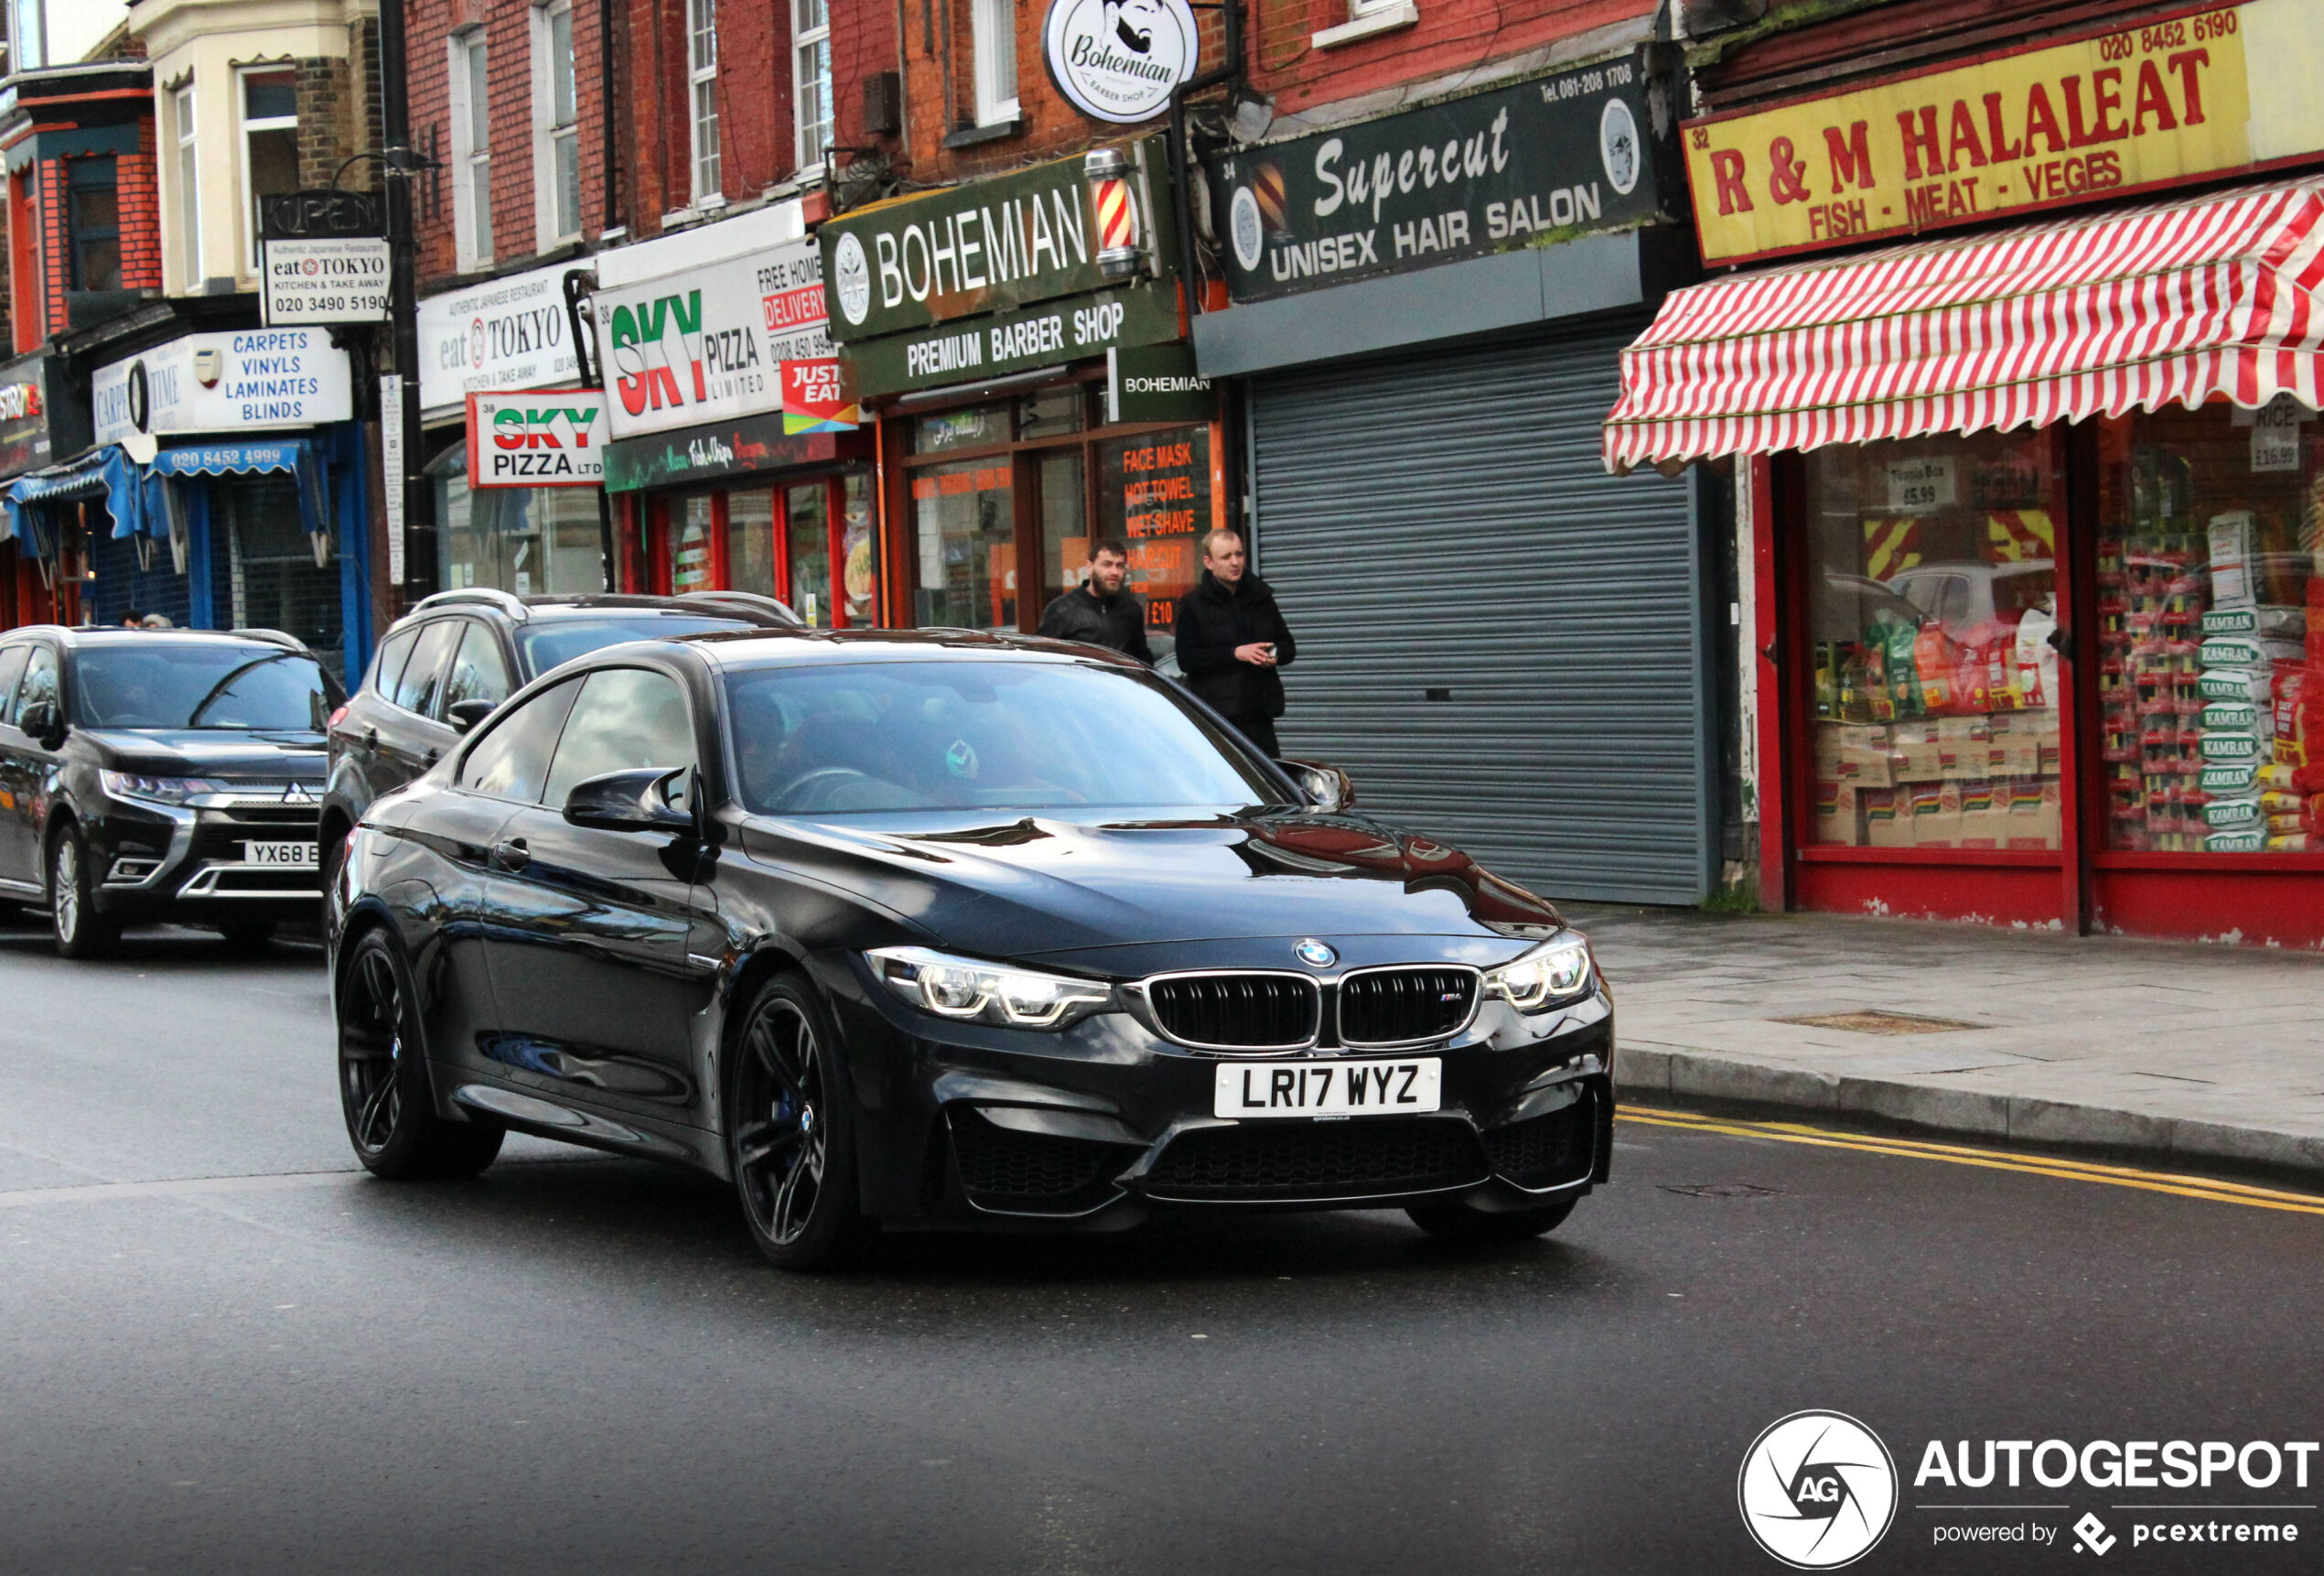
1917	755
1839	814
2033	812
1936	816
1985	814
1888	821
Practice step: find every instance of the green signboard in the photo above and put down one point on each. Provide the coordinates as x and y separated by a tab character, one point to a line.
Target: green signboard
737	448
1534	162
1030	236
975	349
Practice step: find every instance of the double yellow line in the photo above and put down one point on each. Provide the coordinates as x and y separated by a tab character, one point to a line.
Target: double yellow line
2207	1188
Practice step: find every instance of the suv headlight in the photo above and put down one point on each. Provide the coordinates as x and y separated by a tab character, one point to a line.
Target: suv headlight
155	790
966	988
1556	971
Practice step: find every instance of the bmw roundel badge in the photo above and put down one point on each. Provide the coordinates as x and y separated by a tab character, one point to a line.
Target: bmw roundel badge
1315	954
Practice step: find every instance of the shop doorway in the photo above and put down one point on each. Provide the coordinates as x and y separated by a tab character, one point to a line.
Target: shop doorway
277	584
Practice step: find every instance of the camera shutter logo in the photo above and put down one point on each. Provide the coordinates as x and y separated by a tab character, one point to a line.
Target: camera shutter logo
851	278
1617	145
1818	1490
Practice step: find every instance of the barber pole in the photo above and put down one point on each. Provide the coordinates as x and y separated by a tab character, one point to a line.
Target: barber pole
1107	172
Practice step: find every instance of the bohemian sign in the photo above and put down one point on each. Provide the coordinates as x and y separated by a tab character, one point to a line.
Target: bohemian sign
1539	162
2189	97
1013	240
537	438
1118	59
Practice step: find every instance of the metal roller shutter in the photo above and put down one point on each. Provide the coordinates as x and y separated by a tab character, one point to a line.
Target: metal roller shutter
1444	522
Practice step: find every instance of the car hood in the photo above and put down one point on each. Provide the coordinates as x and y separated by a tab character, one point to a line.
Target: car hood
208	753
1118	894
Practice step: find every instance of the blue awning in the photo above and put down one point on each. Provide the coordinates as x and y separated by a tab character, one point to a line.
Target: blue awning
293	454
105	475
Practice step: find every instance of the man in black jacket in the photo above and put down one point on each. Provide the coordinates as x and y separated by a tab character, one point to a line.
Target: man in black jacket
1231	638
1100	611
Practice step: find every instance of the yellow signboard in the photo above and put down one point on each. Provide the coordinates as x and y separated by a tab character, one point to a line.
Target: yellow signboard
2184	98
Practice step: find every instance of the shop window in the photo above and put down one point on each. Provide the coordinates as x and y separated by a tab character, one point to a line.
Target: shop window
702	86
556	126
1932	599
978	426
965	521
1154	493
1065	526
692	532
270	142
471	112
807	539
527	540
273	580
188	184
810	77
1053	413
94	224
993	28
859	539
2210	710
750	544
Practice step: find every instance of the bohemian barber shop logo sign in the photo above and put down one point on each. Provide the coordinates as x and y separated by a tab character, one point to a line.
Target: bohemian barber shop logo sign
1118	59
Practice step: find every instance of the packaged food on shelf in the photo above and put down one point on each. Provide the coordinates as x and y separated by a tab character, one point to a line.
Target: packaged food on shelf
2230	557
1985	814
2253	685
2235	842
1886	823
2238	746
2033	812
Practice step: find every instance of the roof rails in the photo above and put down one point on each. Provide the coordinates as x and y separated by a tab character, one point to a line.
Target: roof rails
272	637
472	596
741	600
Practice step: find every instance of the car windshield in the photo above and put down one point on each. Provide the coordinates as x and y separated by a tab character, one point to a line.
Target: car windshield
546	643
156	684
848	740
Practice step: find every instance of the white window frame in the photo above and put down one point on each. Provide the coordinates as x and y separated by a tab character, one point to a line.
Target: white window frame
265	123
993	37
469	162
704	149
548	131
186	143
1366	19
807	44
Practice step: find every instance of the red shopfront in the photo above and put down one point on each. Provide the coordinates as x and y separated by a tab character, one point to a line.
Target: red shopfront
2035	520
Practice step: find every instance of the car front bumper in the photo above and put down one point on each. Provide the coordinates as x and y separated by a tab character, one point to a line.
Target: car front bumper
194	861
1097	1125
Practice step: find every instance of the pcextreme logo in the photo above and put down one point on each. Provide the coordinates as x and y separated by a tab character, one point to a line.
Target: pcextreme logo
1818	1490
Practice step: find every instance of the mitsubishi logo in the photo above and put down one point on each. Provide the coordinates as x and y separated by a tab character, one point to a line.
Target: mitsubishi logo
297	793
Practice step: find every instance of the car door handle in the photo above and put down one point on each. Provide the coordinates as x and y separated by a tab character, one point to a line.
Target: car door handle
508	855
431	758
371	739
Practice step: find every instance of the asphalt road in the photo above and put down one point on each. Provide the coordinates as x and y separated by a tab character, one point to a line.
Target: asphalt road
221	1349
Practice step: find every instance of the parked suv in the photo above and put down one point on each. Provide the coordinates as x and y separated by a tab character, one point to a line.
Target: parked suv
151	774
444	665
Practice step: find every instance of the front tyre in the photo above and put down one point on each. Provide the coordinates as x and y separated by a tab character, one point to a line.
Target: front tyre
1458	1224
383	1076
791	1130
80	930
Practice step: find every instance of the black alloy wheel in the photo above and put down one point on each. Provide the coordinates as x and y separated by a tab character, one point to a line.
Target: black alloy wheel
80	930
383	1076
791	1130
1458	1223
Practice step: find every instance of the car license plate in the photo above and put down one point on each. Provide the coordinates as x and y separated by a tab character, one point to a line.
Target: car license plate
297	856
1328	1088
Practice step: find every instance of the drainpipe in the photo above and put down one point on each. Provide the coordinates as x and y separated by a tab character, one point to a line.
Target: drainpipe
1181	155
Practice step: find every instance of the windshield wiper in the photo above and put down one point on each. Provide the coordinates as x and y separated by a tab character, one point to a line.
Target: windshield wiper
219	689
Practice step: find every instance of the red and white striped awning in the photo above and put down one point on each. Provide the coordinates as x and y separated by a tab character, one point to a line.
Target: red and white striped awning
2098	315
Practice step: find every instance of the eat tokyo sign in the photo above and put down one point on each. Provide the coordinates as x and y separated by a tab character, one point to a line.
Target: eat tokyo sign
2166	100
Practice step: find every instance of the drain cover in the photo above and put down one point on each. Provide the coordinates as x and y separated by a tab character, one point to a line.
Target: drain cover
1882	1022
1721	1190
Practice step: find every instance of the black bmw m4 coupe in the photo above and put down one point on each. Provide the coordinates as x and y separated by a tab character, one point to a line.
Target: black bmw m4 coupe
942	929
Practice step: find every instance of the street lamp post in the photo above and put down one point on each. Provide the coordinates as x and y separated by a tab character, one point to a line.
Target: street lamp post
403	482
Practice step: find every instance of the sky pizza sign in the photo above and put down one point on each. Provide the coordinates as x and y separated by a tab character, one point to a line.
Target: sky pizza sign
545	438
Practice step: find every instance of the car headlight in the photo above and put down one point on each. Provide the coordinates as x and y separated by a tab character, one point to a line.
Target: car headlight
964	989
1553	972
155	790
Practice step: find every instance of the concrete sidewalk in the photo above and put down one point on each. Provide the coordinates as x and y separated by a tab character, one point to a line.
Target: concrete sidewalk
2198	1053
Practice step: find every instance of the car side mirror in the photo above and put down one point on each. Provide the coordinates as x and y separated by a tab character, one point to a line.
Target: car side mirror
464	715
634	801
1326	787
43	723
